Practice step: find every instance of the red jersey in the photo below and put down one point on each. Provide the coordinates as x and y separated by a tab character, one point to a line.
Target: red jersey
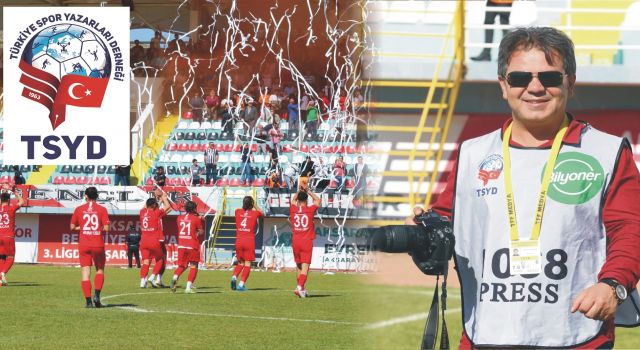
188	226
91	217
302	222
8	220
151	223
246	221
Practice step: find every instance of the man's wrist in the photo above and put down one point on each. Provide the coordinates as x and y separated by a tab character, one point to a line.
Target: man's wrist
619	291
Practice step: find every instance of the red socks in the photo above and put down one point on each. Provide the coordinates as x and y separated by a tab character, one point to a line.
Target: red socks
179	271
98	281
158	267
237	270
192	274
144	271
245	274
302	279
7	264
86	288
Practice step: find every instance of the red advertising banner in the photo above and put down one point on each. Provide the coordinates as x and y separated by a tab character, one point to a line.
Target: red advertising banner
57	245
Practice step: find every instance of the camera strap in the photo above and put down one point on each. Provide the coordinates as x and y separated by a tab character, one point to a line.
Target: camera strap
431	327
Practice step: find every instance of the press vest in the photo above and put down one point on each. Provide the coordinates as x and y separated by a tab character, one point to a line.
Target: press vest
501	309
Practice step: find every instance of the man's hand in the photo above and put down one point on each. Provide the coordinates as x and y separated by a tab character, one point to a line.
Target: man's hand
597	302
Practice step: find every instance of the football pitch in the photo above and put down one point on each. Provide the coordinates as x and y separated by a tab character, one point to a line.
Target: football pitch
404	314
43	308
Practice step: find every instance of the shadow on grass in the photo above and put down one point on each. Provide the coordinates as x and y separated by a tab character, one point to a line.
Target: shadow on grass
259	289
323	295
118	305
201	288
25	284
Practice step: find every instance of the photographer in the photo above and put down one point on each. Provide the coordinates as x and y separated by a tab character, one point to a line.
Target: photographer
133	246
547	229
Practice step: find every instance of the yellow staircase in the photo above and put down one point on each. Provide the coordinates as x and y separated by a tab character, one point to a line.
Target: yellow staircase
42	176
152	147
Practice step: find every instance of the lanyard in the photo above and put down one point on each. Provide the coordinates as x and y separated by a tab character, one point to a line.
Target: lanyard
546	180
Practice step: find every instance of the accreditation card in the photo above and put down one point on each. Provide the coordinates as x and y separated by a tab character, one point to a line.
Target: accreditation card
525	257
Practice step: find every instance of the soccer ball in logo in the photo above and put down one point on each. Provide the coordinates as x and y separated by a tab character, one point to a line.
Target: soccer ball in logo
68	49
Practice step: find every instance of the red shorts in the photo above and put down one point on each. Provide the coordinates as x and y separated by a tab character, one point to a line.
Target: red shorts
7	246
152	249
186	256
302	250
246	250
92	256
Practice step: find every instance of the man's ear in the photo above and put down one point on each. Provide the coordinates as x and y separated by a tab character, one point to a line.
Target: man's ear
504	86
571	84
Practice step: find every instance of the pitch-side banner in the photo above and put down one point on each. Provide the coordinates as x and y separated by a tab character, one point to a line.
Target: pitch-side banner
68	69
337	245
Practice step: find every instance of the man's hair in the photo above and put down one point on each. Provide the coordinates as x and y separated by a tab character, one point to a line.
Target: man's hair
190	207
152	202
5	197
194	161
303	196
247	203
551	41
91	193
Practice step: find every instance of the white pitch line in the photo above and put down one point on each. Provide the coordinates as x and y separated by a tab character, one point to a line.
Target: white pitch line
405	319
269	318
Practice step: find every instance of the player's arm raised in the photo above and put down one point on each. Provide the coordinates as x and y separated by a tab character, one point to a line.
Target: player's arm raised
316	199
166	205
21	200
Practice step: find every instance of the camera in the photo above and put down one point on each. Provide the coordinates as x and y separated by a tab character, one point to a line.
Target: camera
430	243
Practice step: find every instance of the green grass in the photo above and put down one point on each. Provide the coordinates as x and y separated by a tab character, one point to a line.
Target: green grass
397	302
43	308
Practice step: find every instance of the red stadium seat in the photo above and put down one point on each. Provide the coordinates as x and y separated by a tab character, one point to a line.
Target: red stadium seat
316	149
237	148
327	149
362	149
254	147
58	180
82	180
304	148
187	115
259	182
94	181
171	147
235	182
228	147
350	183
287	148
149	181
6	179
333	184
105	180
183	147
222	182
71	180
338	149
195	147
220	147
351	150
203	147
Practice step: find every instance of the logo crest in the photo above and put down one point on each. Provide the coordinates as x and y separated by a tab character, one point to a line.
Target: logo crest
490	168
577	178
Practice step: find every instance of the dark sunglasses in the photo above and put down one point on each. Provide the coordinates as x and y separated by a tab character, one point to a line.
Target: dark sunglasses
547	79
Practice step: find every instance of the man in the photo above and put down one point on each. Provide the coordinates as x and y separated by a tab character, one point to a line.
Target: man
580	260
133	246
246	223
137	54
303	233
211	164
197	106
294	114
151	244
7	231
190	229
247	172
91	220
489	19
321	177
306	171
311	124
250	115
196	171
160	177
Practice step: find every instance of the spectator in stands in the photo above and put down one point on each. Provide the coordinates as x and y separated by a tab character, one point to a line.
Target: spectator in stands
304	106
154	43
213	102
250	115
261	137
294	114
197	106
306	171
227	119
325	102
288	90
211	164
361	171
274	175
312	118
358	99
320	179
18	177
122	175
196	171
338	171
158	59
290	176
490	18
276	136
133	246
247	172
160	177
176	44
137	54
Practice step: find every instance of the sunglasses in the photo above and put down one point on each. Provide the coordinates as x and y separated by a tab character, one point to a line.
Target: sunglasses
547	79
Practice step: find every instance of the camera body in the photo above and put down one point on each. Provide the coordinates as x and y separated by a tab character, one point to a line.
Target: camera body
430	242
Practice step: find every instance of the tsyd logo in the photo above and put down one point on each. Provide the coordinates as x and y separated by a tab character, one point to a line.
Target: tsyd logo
71	67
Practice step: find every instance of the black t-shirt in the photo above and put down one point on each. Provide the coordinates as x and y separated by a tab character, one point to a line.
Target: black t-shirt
160	179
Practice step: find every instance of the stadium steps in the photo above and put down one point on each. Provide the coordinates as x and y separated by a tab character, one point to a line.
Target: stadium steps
153	146
226	237
41	177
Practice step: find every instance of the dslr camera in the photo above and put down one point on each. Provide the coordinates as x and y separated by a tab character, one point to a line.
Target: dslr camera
430	243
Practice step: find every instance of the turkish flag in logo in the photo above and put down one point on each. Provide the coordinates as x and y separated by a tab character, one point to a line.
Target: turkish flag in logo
55	95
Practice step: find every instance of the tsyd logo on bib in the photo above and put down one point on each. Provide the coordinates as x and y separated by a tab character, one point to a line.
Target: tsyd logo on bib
577	177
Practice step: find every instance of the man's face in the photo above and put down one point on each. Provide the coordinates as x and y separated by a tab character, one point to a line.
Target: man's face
536	104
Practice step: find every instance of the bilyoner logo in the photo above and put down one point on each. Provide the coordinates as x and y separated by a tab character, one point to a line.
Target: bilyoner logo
577	177
65	64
